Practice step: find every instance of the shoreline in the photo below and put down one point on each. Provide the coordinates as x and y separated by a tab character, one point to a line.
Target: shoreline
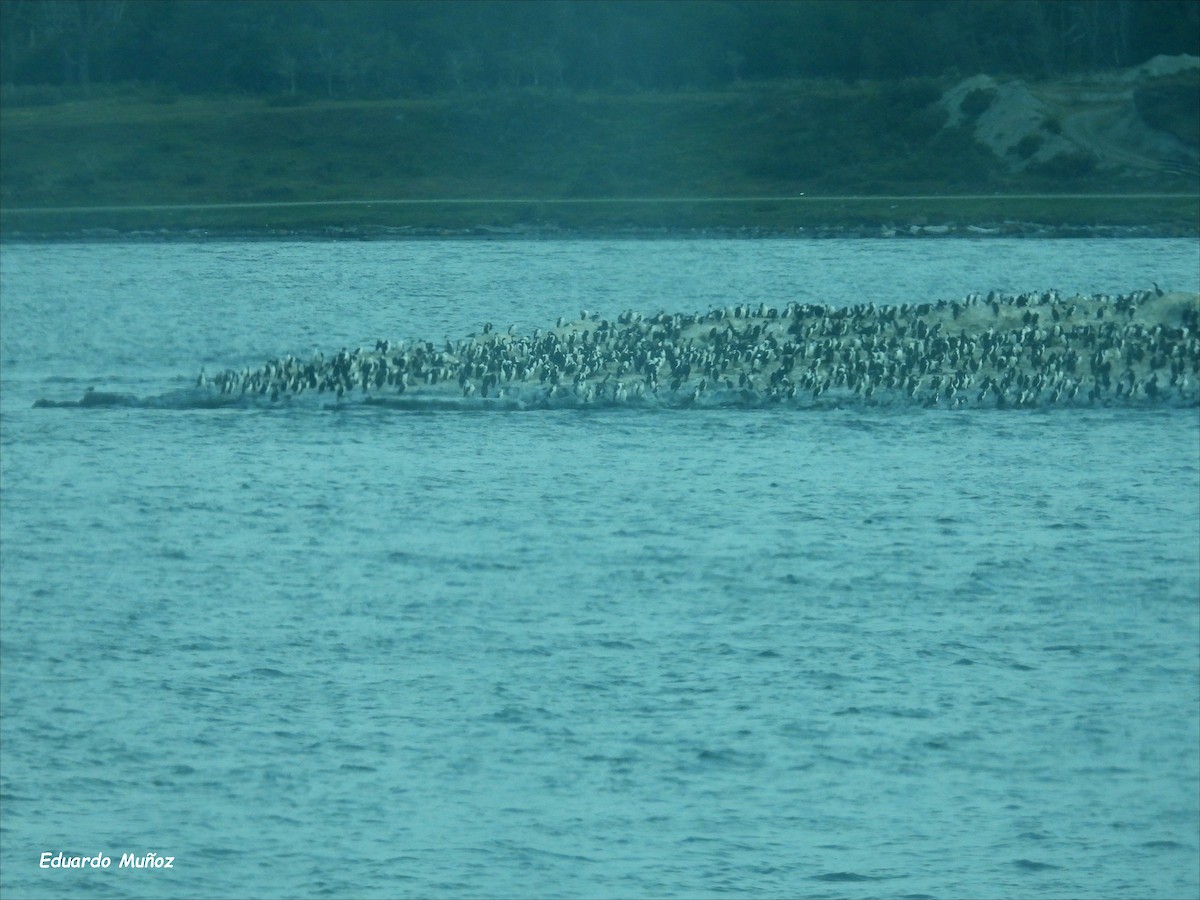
939	231
799	217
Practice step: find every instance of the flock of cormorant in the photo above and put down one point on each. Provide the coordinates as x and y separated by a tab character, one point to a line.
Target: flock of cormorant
996	350
1022	351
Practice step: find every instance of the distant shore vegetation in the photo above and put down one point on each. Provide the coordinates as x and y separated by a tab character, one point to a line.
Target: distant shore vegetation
121	104
379	49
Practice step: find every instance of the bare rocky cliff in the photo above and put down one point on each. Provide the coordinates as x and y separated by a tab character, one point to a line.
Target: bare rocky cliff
1088	122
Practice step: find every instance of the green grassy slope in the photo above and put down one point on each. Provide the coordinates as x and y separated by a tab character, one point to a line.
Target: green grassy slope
819	139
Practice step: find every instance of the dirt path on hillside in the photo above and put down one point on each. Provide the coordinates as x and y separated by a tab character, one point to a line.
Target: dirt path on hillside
1105	123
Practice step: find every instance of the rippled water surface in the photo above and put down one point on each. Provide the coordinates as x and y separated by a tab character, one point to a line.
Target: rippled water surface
372	653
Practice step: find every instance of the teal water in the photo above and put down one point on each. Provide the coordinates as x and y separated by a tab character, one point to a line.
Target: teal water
371	653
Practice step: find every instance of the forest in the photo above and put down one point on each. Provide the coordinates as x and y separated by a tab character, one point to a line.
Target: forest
373	49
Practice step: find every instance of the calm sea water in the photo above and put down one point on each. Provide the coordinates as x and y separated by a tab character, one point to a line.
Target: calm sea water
615	653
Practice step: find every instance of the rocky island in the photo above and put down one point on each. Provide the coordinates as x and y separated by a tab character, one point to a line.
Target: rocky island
1005	351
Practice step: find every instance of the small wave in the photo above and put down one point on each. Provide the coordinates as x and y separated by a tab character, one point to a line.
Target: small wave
265	672
845	877
1029	865
189	398
731	759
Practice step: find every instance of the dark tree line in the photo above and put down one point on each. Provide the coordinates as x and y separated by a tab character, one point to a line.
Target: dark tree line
380	48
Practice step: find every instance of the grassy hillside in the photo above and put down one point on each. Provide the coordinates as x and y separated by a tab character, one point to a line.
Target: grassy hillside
818	139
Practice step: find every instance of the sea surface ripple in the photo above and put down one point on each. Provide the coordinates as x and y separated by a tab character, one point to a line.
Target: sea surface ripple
570	653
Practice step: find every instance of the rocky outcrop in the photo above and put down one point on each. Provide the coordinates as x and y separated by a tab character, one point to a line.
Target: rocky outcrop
1005	351
1072	126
